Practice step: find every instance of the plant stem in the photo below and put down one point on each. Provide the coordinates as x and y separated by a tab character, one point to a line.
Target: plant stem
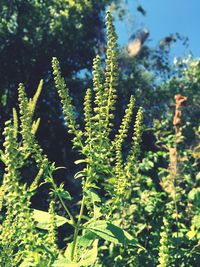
77	228
62	202
66	209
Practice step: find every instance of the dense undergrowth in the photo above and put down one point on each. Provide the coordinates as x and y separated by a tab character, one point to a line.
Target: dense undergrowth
127	216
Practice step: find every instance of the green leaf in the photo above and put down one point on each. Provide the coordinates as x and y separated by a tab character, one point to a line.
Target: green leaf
83	241
65	194
191	234
112	233
92	194
89	256
2	156
68	250
60	191
194	194
79	161
196	221
97	212
140	227
43	219
80	174
64	262
87	249
86	239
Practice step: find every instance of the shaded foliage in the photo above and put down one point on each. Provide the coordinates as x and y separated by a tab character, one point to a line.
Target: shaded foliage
31	33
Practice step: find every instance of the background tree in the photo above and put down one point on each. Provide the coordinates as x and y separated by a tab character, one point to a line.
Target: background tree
31	33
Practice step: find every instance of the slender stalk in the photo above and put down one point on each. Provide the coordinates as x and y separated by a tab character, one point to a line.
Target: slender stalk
66	209
62	202
77	228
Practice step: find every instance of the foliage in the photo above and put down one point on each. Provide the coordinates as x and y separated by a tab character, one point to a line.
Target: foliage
135	210
31	33
24	244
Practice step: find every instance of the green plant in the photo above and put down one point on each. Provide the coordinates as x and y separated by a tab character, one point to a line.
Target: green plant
136	209
102	157
25	244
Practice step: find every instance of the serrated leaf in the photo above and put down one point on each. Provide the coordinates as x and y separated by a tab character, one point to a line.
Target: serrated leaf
86	239
93	195
43	219
88	247
112	233
89	256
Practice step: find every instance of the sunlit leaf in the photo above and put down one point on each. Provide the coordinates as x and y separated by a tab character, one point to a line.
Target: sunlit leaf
43	219
64	262
89	256
112	233
79	161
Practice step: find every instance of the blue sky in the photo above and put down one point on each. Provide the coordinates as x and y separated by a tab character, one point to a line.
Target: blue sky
163	18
